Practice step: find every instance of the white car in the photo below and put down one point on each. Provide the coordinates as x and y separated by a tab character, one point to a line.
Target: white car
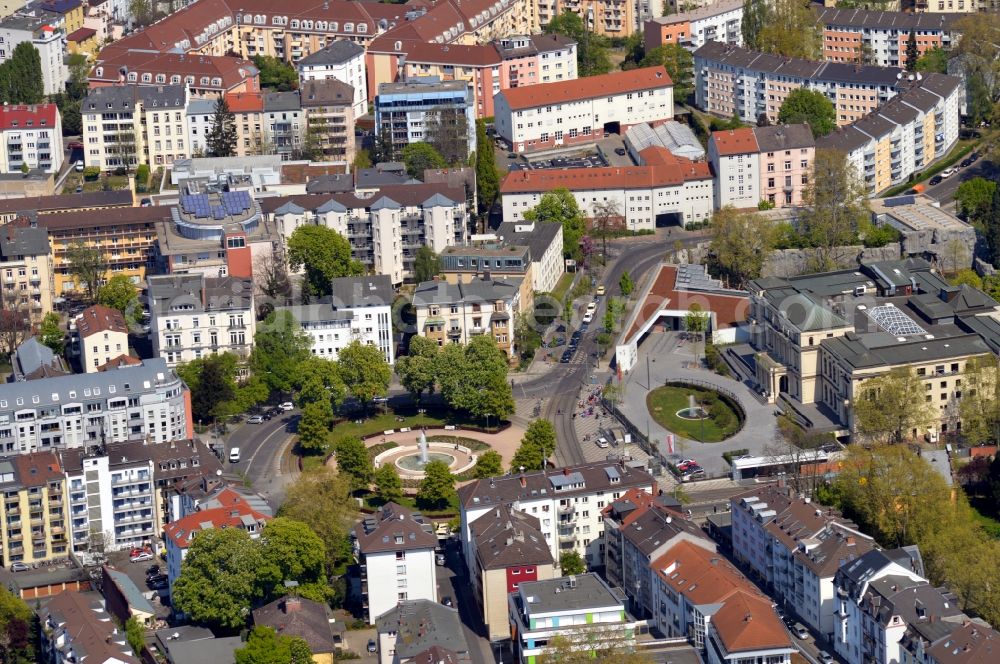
948	172
592	307
288	405
588	317
141	557
234	455
602	442
78	166
255	419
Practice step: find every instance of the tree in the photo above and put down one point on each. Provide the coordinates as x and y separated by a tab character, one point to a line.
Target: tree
933	60
447	130
741	242
537	445
271	277
318	380
353	459
416	370
17	630
275	73
212	381
120	293
791	30
979	407
811	107
559	207
293	552
69	110
626	284
571	564
389	487
754	19
21	76
437	489
474	378
487	177
974	198
314	426
218	582
322	500
679	63
696	320
968	277
280	348
591	49
362	159
835	205
51	334
489	464
912	52
605	216
221	138
325	254
426	264
364	371
992	227
78	84
134	635
265	646
420	157
87	266
891	407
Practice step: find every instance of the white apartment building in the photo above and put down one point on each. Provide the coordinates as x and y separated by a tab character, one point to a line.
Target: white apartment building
563	500
395	548
200	116
720	21
565	113
385	226
343	60
147	400
454	313
49	41
359	309
545	243
103	336
662	186
193	315
31	135
735	159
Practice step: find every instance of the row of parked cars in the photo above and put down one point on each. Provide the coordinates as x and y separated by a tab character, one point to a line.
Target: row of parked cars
689	469
574	341
271	412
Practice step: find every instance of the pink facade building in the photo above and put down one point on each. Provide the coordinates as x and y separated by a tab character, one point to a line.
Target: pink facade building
787	153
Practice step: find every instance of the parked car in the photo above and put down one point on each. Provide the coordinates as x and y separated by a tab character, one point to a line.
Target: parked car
800	631
141	557
447	601
588	317
234	455
19	567
600	290
380	400
620	152
966	162
371	645
439	560
685	463
825	658
566	356
948	172
602	442
592	307
937	179
288	405
78	166
152	570
156	580
256	419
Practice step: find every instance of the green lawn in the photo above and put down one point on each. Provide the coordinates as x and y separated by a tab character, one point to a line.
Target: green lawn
381	423
73	180
565	281
373	502
985	512
664	402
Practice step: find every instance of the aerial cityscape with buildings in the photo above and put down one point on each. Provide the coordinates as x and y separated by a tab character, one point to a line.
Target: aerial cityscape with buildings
500	331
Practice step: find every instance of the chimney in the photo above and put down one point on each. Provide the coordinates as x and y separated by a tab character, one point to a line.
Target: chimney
850	540
565	471
486	275
293	604
524	482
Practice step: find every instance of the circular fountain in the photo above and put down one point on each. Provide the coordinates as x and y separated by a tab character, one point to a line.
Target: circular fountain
693	411
411	460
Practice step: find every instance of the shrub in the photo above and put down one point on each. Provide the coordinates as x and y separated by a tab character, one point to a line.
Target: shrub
91	173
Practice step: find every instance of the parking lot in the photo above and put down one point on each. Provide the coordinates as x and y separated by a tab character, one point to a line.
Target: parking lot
582	161
137	573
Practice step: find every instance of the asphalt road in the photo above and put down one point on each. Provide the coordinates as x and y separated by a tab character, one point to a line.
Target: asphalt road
945	191
452	582
261	446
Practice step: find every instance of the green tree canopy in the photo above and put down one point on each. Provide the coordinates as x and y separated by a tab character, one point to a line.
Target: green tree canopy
571	563
426	264
218	584
890	407
626	284
422	156
679	63
17	629
314	426
592	56
474	378
265	646
121	294
537	445
559	207
325	254
212	381
835	207
221	138
276	73
437	489
293	552
51	334
754	19
974	197
811	107
388	485
791	29
912	52
280	349
353	460
322	499
933	60
979	407
487	176
417	369
318	379
364	370
741	242
21	76
489	464
87	266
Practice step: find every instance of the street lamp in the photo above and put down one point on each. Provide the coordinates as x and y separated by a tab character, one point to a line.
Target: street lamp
488	421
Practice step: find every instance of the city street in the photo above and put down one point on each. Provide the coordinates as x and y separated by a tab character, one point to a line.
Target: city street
452	582
945	191
261	450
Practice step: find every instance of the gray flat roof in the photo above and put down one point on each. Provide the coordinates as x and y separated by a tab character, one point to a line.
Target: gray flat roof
572	593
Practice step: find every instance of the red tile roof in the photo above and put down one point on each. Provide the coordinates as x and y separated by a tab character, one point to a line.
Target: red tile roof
647	78
37	468
18	116
81	35
245	102
180	26
233	71
120	361
672	171
477	55
747	621
735	141
641	498
182	531
100	318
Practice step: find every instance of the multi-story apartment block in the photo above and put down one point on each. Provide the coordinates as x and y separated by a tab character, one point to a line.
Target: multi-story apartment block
732	80
49	41
328	105
34	508
396	552
385	225
454	313
949	6
284	123
359	309
905	135
341	60
663	185
568	502
200	118
205	76
582	609
228	510
251	129
880	38
603	17
820	337
193	315
126	125
405	111
103	335
73	411
545	245
510	550
795	547
31	136
26	269
719	22
532	59
541	117
772	164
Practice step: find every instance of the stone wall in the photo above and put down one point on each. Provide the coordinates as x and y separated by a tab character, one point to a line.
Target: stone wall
792	262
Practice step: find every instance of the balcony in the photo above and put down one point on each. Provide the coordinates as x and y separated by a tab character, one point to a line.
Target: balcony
569	508
15	537
567	534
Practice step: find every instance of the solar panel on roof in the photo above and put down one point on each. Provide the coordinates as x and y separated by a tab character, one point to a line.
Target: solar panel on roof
900	200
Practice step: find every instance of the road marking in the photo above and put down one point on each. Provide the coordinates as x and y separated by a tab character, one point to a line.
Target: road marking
261	446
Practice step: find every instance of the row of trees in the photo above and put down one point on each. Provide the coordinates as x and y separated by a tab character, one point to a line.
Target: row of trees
783	27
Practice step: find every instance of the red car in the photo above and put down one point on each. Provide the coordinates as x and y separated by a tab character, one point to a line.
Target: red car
684	465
